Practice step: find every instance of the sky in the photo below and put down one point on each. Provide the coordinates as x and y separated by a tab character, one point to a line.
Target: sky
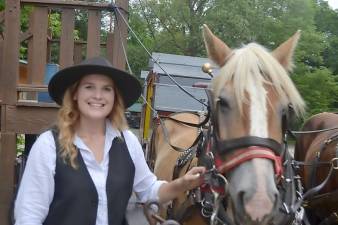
333	3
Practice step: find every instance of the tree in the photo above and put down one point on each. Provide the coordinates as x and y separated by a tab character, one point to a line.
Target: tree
327	22
173	26
319	89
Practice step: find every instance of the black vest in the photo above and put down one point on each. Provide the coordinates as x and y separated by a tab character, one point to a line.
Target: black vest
75	198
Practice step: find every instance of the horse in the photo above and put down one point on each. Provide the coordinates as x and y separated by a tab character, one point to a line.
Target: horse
317	147
248	102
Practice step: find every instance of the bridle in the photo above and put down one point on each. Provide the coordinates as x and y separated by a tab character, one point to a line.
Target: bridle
208	147
247	148
242	149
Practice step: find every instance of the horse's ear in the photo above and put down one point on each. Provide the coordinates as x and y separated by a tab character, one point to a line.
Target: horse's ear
285	51
217	50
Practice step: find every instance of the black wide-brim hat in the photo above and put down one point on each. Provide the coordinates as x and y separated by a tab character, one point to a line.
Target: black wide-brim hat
128	86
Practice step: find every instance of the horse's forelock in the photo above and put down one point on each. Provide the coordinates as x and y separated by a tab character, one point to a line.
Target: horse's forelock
254	63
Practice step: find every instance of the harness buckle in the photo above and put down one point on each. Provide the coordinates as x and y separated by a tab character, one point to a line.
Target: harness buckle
334	163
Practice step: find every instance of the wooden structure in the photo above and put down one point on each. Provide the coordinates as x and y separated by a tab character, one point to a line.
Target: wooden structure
19	116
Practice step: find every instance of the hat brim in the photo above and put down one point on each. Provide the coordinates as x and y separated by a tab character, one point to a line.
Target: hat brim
128	86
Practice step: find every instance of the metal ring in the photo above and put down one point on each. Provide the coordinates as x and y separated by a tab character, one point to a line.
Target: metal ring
334	163
226	183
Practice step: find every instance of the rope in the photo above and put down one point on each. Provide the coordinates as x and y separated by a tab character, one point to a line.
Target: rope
313	131
129	67
116	9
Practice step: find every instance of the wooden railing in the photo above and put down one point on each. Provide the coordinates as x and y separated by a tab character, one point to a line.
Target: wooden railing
21	112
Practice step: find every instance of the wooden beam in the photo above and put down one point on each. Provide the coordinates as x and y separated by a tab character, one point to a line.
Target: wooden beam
29	119
120	35
93	34
69	4
10	63
7	163
32	87
25	36
37	59
103	44
110	47
2	119
1	59
78	53
67	38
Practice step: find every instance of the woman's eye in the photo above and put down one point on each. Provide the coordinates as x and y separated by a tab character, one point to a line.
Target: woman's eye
108	88
88	86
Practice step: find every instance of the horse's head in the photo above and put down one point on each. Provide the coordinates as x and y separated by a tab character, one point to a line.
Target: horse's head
250	97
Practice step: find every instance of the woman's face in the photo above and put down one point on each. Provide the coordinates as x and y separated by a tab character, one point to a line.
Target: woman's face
95	96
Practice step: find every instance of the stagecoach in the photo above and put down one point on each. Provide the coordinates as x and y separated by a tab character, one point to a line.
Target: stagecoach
164	96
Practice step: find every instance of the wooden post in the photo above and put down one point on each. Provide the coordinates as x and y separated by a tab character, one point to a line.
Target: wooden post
67	38
93	38
38	57
109	46
10	63
78	48
120	35
7	163
1	65
8	79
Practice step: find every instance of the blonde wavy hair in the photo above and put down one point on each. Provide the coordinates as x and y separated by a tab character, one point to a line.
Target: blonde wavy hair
69	115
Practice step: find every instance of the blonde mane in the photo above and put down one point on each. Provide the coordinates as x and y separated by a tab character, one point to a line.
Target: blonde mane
254	62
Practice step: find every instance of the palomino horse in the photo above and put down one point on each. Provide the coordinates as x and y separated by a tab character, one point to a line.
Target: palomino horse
317	147
249	101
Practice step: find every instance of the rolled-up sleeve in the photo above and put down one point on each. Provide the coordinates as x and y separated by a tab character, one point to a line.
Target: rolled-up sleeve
146	185
37	185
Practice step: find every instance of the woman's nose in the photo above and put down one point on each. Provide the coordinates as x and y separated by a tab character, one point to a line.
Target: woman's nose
98	94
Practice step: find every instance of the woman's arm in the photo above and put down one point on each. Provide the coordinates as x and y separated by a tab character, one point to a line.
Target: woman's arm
146	185
37	185
171	190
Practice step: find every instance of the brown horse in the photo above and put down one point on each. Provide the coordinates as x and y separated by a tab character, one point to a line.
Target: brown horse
164	157
249	99
317	149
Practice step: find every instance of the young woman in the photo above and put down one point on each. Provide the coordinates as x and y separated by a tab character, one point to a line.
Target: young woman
84	171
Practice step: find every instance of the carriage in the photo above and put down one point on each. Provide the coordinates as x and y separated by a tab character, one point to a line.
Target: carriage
164	96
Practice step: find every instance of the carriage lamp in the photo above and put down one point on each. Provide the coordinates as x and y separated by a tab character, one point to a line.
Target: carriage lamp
206	68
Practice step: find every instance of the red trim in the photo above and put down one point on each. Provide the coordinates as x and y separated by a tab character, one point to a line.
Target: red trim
246	154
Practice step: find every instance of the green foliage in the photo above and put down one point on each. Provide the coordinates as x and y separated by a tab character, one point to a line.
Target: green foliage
2	5
20	144
326	21
319	89
331	53
173	26
54	20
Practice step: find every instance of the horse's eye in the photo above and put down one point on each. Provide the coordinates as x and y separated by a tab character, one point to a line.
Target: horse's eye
224	104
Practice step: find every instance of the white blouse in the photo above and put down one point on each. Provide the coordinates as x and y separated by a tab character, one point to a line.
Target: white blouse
37	185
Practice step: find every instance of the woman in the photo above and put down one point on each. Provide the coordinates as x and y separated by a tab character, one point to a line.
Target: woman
84	171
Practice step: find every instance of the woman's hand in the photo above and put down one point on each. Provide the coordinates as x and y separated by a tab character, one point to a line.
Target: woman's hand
193	178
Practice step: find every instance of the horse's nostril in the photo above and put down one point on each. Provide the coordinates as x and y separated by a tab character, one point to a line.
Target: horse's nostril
240	203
